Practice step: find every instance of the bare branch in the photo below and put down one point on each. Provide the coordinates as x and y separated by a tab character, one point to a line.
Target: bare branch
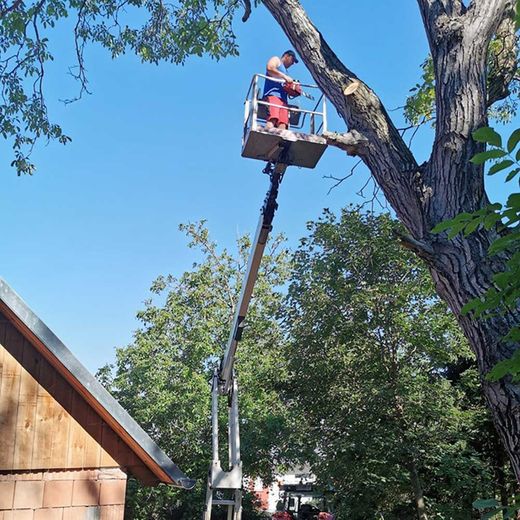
341	179
422	249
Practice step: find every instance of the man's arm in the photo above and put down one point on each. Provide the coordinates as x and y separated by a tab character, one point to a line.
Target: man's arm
273	69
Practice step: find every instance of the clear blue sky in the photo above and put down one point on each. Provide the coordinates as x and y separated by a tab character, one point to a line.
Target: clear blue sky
157	146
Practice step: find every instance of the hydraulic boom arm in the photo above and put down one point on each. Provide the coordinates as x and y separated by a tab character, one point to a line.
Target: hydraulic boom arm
257	251
224	382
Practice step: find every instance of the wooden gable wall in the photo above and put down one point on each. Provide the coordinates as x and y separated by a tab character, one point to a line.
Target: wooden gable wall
45	423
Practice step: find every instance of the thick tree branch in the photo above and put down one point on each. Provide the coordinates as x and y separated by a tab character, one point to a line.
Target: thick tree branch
441	18
459	50
503	64
386	154
247	10
485	16
352	142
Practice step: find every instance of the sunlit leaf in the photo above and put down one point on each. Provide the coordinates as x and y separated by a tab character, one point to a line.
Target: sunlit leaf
502	165
482	157
487	135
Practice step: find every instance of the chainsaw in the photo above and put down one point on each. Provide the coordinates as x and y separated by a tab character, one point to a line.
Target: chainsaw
294	89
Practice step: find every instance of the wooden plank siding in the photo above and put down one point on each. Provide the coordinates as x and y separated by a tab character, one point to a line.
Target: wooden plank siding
44	422
9	401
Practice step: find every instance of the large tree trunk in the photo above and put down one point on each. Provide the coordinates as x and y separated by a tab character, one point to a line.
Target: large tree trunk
448	183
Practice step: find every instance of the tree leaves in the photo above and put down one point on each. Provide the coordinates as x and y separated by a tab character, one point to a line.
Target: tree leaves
162	377
153	30
482	157
513	140
491	508
487	135
368	346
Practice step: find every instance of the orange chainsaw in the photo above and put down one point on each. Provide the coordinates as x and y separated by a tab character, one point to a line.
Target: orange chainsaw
294	89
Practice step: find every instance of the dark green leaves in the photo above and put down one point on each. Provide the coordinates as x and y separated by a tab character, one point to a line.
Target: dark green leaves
492	509
498	167
482	157
487	135
153	30
368	344
513	140
467	223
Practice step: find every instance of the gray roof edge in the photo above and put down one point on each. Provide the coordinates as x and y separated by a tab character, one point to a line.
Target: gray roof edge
17	305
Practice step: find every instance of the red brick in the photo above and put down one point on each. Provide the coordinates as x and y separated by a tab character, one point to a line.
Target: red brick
51	513
87	474
29	476
81	513
59	475
22	514
6	494
57	493
28	494
85	493
112	512
112	492
74	513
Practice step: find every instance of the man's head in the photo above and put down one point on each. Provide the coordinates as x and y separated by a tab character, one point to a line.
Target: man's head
289	58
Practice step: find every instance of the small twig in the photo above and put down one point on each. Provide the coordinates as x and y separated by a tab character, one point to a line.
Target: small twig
415	132
341	179
360	192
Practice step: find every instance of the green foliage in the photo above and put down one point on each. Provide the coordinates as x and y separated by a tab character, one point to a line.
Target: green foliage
492	509
24	49
162	378
360	370
420	106
506	290
163	32
373	357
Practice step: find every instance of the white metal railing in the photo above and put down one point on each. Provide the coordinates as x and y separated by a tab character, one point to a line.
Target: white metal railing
253	102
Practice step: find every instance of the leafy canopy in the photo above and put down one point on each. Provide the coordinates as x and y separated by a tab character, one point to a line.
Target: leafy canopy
162	378
153	30
381	376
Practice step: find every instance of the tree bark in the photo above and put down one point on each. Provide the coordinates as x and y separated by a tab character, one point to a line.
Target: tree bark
418	493
448	184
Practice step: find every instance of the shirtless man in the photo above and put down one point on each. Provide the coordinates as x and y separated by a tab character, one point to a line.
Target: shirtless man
278	115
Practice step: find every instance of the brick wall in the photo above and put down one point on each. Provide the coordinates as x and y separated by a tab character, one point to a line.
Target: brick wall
97	494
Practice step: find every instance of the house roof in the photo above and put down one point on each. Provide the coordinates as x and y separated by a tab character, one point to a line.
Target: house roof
62	359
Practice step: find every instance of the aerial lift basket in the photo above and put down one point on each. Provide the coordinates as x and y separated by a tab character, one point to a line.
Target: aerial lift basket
302	145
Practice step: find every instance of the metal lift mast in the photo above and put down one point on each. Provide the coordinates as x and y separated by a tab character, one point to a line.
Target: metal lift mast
280	149
224	382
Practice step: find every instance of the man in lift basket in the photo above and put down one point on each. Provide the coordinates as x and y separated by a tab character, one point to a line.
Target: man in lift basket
276	92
